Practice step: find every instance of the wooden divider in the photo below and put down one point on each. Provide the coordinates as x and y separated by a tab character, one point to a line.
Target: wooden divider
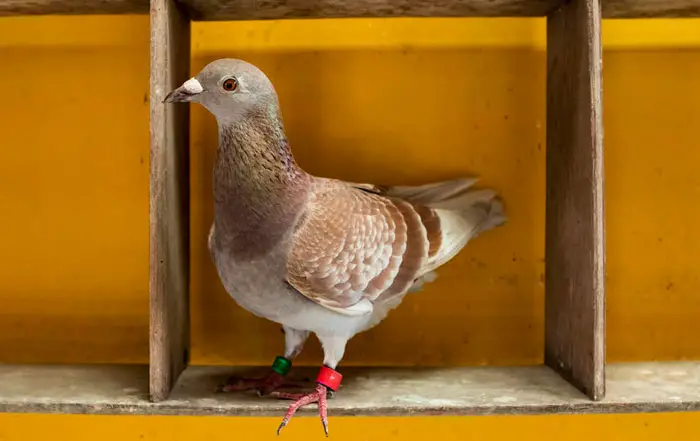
575	242
169	211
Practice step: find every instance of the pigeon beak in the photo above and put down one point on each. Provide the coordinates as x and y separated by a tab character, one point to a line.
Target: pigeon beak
185	93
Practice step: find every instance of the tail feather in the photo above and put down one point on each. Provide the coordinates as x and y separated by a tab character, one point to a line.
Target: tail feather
463	216
496	217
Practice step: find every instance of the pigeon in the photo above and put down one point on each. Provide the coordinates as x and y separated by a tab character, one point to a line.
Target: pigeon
315	254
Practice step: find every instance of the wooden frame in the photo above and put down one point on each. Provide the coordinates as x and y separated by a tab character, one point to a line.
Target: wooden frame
575	249
575	243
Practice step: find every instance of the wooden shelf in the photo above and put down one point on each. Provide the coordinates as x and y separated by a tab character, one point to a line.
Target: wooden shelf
575	241
283	9
636	387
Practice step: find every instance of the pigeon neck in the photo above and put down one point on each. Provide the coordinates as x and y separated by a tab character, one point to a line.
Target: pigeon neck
259	189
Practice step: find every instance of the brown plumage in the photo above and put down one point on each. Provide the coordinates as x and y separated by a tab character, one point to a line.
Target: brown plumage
316	254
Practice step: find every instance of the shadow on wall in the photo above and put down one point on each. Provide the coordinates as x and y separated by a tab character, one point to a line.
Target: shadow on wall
410	117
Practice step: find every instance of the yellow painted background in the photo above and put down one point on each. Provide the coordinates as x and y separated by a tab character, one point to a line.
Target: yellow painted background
369	100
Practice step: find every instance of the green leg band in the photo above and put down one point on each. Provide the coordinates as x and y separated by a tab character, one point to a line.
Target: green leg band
281	365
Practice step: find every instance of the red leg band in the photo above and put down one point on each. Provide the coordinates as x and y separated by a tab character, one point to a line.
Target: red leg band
329	378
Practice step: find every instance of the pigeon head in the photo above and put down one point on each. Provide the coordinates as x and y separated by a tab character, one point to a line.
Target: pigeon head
228	88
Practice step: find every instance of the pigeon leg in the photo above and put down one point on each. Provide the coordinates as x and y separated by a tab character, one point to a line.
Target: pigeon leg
328	380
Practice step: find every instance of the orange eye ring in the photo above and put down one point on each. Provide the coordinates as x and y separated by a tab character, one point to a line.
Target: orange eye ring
230	85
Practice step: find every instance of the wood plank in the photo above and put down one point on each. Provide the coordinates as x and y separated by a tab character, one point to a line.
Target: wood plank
282	9
650	8
635	387
169	209
575	248
72	7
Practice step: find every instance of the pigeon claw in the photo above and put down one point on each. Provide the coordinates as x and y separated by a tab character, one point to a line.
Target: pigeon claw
281	426
320	396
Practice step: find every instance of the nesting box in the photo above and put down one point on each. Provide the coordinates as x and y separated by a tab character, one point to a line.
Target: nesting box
574	245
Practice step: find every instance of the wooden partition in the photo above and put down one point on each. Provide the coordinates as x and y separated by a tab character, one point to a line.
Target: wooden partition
170	199
574	240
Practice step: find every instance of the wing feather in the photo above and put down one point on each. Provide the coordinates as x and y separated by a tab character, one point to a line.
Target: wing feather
353	246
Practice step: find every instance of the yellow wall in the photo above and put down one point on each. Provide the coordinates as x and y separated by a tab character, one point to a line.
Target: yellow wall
376	100
74	189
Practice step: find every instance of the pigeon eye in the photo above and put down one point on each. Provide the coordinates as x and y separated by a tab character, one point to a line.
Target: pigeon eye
230	85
